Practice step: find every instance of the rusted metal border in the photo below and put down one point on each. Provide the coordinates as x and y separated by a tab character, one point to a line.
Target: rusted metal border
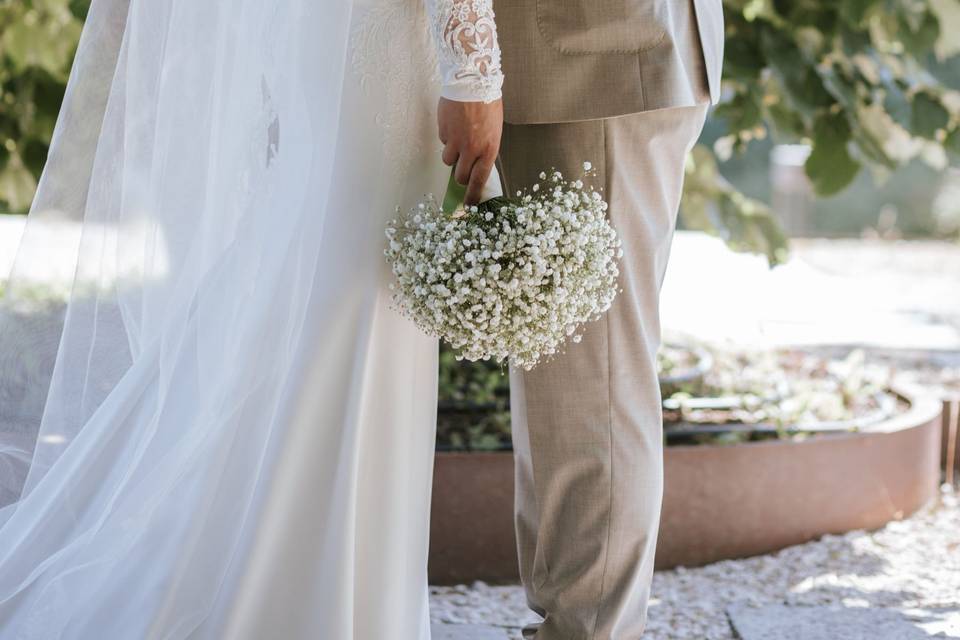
744	500
719	501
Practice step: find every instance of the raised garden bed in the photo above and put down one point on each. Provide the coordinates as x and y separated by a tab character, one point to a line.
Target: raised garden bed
735	489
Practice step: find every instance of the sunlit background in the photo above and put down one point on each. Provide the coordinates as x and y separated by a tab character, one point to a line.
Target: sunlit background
811	312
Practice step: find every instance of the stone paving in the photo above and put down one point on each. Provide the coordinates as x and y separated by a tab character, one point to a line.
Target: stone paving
785	622
467	632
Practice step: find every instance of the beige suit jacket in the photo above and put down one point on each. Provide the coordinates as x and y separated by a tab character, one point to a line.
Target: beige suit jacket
571	60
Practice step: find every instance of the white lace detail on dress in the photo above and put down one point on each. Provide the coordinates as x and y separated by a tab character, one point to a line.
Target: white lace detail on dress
404	90
466	36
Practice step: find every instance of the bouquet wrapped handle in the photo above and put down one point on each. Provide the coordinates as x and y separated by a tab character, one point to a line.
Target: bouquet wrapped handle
453	199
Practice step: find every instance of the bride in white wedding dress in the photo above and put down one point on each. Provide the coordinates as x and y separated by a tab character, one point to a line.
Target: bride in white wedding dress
212	423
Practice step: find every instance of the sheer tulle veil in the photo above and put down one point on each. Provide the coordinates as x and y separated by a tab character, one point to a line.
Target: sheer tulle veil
172	240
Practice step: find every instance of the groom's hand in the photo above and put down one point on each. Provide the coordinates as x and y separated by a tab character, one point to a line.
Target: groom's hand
470	133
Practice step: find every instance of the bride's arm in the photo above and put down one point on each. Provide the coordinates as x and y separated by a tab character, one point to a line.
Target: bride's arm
466	38
470	113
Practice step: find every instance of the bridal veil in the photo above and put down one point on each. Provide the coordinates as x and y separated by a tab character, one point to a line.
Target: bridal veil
184	290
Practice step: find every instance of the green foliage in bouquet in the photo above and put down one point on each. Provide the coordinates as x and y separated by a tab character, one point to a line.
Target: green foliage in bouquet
850	78
37	42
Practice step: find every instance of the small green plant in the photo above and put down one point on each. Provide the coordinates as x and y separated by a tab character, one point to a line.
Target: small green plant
474	404
732	395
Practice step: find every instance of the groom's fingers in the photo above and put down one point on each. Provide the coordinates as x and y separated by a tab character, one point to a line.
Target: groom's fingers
478	178
450	155
464	167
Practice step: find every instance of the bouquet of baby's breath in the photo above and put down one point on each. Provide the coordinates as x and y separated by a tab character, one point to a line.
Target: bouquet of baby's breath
511	278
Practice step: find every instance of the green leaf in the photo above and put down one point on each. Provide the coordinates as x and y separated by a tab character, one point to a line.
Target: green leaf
854	42
830	166
919	31
743	112
787	123
840	86
742	59
869	130
46	45
713	205
854	12
802	85
928	116
952	145
79	8
34	154
896	103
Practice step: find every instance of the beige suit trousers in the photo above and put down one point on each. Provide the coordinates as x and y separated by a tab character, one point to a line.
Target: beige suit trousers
587	425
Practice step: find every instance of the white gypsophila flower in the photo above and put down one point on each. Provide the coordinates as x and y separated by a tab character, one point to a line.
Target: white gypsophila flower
512	279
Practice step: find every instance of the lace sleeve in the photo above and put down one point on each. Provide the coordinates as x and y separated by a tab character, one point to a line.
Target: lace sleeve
469	55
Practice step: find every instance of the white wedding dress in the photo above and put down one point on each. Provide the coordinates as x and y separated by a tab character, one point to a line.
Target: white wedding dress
213	425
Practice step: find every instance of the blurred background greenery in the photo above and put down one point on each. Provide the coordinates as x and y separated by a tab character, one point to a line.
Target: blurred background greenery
870	86
37	41
865	91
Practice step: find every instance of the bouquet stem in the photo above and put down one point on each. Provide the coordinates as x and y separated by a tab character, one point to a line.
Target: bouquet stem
456	192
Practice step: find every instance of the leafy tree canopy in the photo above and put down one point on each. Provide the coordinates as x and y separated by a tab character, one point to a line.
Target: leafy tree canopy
851	78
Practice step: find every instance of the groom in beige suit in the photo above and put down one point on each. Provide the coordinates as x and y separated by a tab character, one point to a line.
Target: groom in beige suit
624	84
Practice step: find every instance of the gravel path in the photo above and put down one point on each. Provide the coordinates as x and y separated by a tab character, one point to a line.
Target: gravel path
911	566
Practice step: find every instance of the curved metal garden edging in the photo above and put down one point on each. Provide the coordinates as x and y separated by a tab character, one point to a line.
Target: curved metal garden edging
720	501
741	500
